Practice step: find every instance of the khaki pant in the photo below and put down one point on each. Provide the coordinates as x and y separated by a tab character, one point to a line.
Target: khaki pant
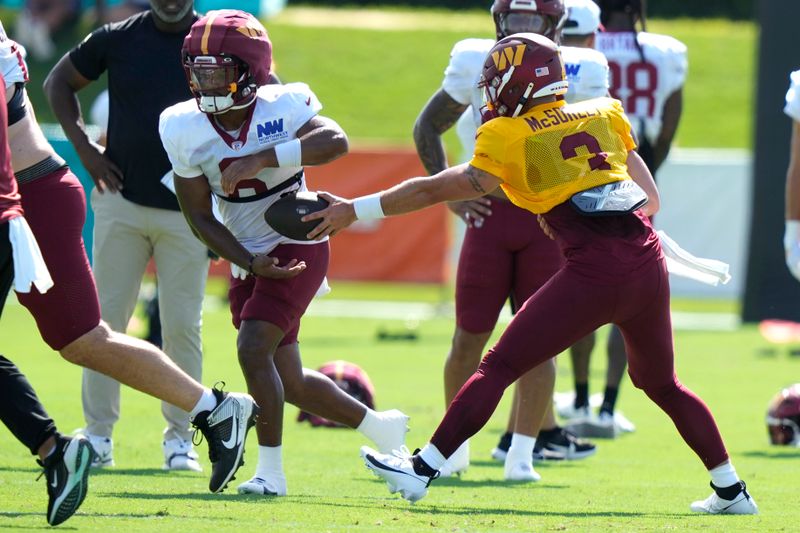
126	236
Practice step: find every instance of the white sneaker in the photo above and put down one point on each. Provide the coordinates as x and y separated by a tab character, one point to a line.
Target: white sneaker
520	471
743	503
103	450
574	414
393	436
458	463
180	455
622	424
275	486
597	427
398	472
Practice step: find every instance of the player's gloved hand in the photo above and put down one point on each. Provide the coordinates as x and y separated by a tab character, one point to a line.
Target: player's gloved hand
791	245
472	212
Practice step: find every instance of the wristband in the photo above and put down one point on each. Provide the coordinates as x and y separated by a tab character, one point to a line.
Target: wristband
250	265
368	207
289	154
791	234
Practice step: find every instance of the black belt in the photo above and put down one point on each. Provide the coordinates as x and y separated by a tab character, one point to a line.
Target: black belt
297	178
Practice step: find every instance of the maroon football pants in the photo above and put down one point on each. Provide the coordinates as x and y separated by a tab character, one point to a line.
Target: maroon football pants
564	310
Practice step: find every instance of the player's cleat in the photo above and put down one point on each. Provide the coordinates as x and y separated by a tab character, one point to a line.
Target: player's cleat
225	428
458	463
397	470
275	486
103	450
741	503
520	471
67	473
180	455
565	444
393	436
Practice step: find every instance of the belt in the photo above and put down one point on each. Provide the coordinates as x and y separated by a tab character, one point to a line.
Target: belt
297	178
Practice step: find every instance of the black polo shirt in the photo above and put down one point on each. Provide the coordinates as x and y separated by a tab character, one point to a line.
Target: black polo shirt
145	76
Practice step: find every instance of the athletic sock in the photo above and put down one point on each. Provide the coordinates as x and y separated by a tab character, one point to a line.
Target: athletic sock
370	425
430	457
581	395
724	476
521	448
270	462
207	402
609	400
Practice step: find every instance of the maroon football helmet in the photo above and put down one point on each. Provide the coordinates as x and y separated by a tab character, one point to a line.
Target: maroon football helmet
545	17
227	55
518	68
352	379
783	417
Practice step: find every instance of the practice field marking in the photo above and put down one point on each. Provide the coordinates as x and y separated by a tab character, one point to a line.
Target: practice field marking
419	311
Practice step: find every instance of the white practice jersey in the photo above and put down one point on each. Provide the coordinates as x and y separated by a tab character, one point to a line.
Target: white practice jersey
792	107
197	147
586	69
643	75
12	62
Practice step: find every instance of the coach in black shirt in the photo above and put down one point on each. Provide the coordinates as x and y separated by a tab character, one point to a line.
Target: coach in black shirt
136	217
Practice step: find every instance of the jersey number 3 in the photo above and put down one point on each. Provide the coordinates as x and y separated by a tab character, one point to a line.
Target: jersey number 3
570	144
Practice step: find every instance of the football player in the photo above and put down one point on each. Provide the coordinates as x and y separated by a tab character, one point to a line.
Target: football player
68	314
246	143
574	166
647	73
791	237
501	257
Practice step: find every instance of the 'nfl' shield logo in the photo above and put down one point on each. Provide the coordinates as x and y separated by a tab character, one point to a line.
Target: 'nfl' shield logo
541	71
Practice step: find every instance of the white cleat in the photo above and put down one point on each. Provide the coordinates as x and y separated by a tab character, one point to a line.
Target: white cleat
180	455
520	471
103	450
743	503
395	427
398	472
275	486
458	463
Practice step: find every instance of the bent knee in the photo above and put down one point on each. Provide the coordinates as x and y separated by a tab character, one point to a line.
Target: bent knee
84	350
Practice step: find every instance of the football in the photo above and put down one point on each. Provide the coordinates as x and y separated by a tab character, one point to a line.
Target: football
285	214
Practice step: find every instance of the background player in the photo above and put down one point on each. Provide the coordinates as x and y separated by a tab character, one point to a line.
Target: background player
791	238
504	254
615	271
246	142
647	73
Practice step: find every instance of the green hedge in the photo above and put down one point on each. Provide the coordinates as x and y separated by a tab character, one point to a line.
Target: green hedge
731	9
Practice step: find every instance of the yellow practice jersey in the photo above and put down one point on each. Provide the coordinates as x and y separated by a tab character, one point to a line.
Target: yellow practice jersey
555	150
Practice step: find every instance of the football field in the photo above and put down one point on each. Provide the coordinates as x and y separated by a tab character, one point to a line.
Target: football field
639	482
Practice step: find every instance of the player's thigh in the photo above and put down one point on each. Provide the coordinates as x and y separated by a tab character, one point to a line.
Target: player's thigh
484	275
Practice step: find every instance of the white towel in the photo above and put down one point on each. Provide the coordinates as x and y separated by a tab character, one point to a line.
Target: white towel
29	267
682	263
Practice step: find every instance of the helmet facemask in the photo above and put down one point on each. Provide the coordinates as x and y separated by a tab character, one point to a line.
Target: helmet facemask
219	83
513	22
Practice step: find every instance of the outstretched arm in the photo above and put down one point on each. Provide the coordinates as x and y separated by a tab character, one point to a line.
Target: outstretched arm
463	182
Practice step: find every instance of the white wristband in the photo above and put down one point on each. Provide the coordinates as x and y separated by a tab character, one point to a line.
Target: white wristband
368	207
289	154
791	233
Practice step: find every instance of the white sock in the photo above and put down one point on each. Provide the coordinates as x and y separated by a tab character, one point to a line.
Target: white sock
432	456
521	448
724	475
370	425
270	462
207	402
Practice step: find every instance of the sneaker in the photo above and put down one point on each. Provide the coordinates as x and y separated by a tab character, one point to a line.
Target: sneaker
103	450
594	427
565	444
574	414
393	437
398	472
458	463
520	471
225	428
622	424
180	455
540	453
275	486
742	503
67	473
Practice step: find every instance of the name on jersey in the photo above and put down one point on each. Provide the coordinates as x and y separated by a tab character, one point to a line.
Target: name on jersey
554	117
271	131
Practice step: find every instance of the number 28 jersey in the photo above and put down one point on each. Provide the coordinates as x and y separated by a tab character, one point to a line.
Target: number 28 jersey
555	150
644	69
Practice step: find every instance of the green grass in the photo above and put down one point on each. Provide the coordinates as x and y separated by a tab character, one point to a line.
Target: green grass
373	70
641	482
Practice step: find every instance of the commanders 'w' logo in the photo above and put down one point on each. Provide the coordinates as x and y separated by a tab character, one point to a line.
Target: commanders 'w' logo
250	30
509	56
